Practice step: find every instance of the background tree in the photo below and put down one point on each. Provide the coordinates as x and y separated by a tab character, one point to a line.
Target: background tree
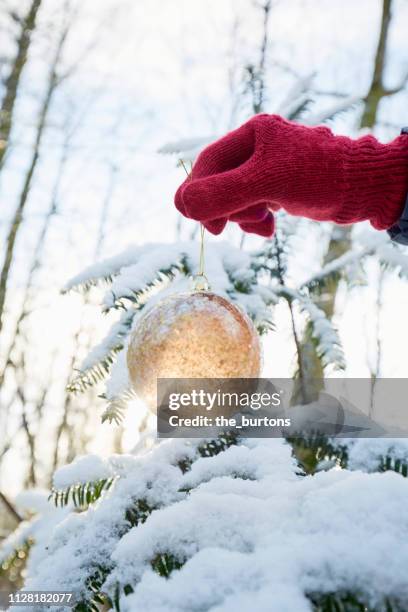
26	25
340	241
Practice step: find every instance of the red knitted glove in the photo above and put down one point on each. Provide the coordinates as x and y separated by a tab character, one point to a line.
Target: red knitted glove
270	163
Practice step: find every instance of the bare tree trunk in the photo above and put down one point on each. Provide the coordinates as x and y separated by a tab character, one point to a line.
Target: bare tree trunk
25	310
10	507
340	241
101	235
256	71
36	260
52	84
16	222
377	90
65	411
376	370
13	80
256	75
31	479
259	100
100	240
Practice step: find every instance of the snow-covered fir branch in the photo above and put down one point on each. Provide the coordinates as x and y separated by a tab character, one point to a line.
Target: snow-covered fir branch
326	336
142	277
255	280
179	516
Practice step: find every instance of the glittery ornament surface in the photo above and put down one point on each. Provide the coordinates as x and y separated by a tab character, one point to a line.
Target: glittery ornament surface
197	335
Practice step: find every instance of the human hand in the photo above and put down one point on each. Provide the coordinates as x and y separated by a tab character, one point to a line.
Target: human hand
270	163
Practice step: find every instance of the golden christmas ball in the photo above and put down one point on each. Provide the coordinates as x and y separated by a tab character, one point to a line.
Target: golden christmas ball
195	335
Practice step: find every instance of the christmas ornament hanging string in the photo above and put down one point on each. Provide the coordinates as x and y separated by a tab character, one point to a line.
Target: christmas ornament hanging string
200	280
202	254
194	334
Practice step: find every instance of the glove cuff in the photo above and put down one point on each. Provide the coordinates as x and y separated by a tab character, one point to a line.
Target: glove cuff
325	177
376	181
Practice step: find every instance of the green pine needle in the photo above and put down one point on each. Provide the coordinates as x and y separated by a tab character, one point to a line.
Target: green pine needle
82	495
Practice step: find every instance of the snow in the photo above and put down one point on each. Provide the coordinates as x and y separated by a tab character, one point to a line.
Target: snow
337	265
113	339
251	533
328	341
85	468
367	453
133	279
83	542
242	461
395	257
32	501
209	582
330	532
365	242
106	268
38	528
119	382
140	266
188	148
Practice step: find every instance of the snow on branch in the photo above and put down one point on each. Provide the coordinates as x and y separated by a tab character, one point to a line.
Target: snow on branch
335	268
83	469
298	98
36	529
328	342
141	277
394	257
117	406
104	271
184	514
376	454
365	243
158	263
97	364
342	106
187	149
